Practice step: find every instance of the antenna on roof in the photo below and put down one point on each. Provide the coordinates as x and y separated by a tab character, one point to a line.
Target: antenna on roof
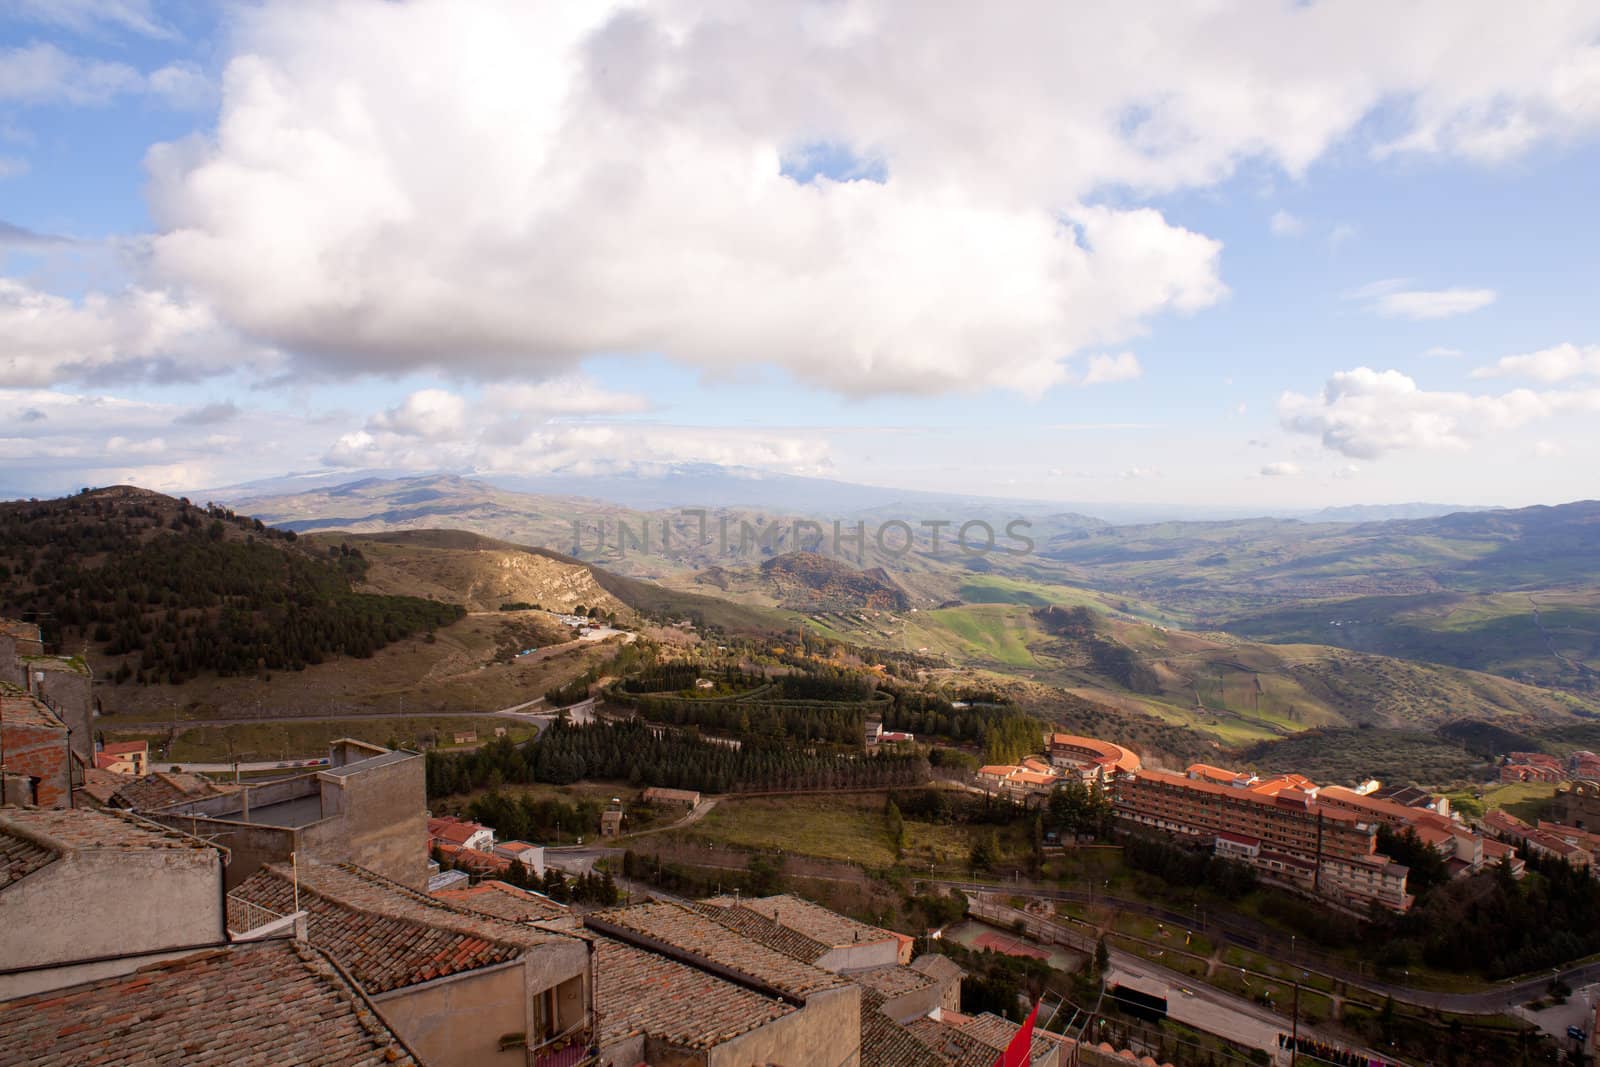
294	860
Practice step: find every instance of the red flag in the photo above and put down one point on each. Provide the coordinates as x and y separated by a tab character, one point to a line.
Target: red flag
1020	1052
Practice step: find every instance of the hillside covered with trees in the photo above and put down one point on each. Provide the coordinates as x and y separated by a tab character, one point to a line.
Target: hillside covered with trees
171	590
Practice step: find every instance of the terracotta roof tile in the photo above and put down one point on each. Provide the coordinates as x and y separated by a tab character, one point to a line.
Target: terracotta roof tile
763	928
892	980
17	706
28	835
386	935
641	992
700	937
505	901
162	789
815	921
951	1044
884	1042
248	1005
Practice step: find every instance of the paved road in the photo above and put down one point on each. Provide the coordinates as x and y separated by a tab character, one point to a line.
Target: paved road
578	859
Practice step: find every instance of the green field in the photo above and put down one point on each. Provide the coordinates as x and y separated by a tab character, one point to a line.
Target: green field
847	826
250	742
1528	801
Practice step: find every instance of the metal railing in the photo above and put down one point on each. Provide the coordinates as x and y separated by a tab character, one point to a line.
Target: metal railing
570	1048
244	916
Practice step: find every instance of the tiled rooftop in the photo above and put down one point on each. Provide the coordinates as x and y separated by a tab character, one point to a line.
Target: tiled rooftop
884	1042
27	631
942	968
20	857
505	901
162	789
33	837
700	937
250	1005
815	921
386	935
20	708
638	991
762	928
997	1033
951	1045
892	980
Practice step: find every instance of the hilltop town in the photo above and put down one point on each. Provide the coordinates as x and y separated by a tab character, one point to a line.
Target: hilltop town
429	906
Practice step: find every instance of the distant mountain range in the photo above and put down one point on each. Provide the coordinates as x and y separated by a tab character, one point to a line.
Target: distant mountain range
708	485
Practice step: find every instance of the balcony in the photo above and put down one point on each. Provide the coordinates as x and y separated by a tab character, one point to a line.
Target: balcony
569	1049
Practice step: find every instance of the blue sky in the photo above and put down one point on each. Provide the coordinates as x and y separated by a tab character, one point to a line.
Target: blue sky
1065	259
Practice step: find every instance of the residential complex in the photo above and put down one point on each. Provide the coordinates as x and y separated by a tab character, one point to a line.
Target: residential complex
1067	757
1278	825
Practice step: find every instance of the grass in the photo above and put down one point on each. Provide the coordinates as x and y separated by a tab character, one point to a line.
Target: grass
1182	962
1528	801
1235	957
257	742
983	633
849	827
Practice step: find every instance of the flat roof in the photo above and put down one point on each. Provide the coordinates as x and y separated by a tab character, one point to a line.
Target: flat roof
371	763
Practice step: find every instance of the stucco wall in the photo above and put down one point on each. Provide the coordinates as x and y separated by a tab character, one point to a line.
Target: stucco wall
826	1032
919	1002
68	693
249	846
102	903
458	1021
859	957
382	823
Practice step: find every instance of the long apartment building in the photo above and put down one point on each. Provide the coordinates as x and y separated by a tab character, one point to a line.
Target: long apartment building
1277	825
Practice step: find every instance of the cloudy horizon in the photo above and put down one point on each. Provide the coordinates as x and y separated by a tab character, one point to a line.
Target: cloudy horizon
1245	256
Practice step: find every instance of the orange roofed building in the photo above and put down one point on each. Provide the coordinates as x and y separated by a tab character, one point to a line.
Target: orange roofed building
1088	756
1277	825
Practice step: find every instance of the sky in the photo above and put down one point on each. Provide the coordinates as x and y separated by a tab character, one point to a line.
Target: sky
1237	255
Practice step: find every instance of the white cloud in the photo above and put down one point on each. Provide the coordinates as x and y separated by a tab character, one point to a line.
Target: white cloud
1364	413
84	16
428	413
1135	474
642	205
183	86
135	333
1443	352
1122	367
1554	364
534	428
11	166
1434	303
1280	470
588	448
39	72
569	395
1548	449
1392	298
1286	225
